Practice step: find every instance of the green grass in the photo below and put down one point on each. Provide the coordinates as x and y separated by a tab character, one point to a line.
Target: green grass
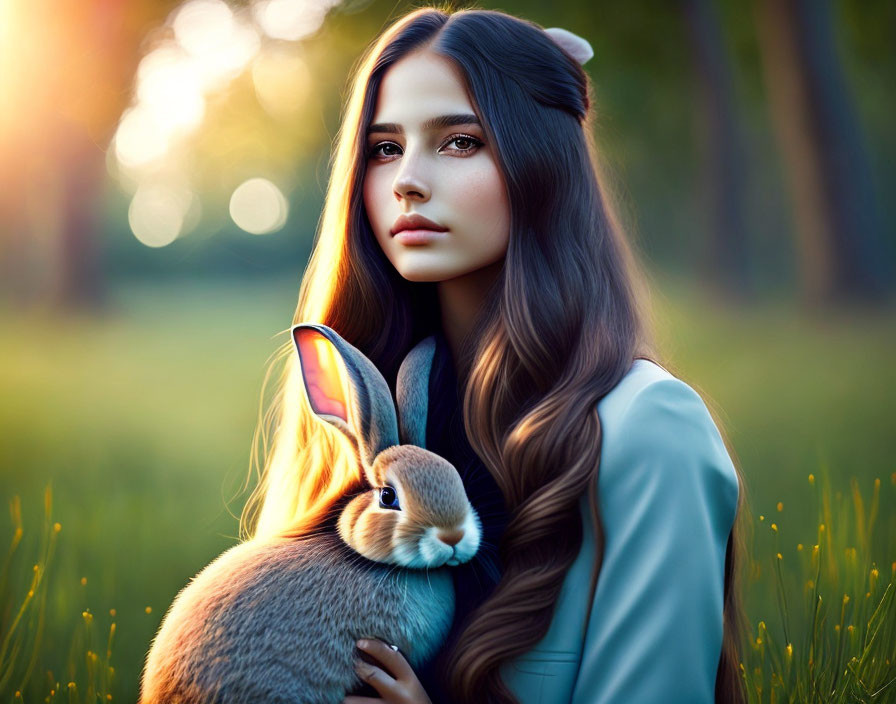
794	393
831	637
141	420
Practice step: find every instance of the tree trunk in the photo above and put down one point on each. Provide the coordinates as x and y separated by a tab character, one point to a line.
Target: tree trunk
69	92
842	255
724	170
79	280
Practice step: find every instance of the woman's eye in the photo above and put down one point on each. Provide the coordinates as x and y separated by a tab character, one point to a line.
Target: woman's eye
388	498
465	144
462	139
375	149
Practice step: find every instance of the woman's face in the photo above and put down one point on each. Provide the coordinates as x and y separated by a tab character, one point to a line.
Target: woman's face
446	173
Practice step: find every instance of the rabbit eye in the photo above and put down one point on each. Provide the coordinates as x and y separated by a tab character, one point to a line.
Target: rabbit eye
388	498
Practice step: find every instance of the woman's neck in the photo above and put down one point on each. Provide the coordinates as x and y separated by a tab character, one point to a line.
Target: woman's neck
460	300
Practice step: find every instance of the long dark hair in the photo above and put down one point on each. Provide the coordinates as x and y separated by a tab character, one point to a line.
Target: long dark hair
564	323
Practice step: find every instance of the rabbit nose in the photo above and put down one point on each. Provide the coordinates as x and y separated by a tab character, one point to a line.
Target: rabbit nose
450	537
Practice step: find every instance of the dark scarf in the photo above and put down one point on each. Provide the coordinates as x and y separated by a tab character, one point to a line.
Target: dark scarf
445	435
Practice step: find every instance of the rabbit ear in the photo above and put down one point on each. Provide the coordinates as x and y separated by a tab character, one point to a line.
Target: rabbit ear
345	389
412	392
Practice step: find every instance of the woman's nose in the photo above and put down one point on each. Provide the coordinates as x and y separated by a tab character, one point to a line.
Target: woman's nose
409	181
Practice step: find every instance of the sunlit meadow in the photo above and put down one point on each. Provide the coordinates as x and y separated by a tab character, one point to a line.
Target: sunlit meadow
820	648
141	423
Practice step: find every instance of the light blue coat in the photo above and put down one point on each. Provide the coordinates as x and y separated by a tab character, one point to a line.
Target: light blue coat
668	496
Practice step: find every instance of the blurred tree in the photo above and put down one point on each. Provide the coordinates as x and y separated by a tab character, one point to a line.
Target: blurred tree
725	169
75	60
842	254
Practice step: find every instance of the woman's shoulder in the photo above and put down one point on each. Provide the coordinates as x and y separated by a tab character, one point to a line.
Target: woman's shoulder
656	427
641	375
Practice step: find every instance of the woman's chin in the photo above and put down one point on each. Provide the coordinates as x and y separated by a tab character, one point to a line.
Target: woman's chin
424	274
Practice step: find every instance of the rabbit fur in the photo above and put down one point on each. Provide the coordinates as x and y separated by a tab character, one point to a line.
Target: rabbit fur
276	619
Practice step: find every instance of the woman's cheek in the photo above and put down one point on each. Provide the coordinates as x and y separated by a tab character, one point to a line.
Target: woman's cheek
482	205
374	202
488	205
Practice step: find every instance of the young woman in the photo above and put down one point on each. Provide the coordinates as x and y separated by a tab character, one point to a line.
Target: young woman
466	202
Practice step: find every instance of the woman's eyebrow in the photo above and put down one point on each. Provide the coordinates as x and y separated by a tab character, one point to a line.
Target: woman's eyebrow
430	124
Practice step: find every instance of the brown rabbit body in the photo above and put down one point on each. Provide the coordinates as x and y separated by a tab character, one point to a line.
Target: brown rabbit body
276	619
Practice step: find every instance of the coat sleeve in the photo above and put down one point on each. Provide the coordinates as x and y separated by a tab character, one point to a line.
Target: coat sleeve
668	498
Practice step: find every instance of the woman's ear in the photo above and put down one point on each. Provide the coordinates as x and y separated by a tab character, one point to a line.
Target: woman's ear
346	390
412	392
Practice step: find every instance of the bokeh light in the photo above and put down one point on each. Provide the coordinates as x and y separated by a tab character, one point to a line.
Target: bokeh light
186	88
282	81
201	26
223	63
158	212
218	43
140	140
169	86
290	19
257	206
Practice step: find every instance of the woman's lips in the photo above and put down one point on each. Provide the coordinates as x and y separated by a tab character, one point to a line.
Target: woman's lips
414	221
419	237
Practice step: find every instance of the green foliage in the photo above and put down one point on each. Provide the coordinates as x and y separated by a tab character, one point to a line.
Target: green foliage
87	675
835	637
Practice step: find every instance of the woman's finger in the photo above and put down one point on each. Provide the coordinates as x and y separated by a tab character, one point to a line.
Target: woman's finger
381	681
393	660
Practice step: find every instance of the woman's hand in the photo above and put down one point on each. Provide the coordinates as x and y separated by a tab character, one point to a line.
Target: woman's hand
399	687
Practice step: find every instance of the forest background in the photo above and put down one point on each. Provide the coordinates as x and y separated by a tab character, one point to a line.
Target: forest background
162	169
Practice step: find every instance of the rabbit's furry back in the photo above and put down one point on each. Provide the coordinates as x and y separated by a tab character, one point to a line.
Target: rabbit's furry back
216	641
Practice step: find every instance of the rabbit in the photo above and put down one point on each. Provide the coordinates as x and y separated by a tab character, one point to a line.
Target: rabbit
276	620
